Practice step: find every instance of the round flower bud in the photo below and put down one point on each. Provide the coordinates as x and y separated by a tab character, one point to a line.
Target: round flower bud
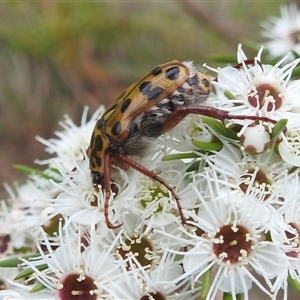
256	139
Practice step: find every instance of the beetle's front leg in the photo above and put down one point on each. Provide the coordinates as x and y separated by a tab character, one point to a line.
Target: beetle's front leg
107	182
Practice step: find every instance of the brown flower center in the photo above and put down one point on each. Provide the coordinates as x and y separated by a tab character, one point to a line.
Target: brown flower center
294	240
232	244
77	287
261	182
265	95
140	247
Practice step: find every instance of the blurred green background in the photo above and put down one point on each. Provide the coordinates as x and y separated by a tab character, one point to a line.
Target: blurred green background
57	57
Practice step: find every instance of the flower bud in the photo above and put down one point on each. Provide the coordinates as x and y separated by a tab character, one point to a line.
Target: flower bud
256	139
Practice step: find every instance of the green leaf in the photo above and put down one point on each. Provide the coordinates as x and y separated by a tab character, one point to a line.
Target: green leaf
293	169
296	72
193	167
268	236
22	251
278	128
227	296
229	96
10	263
220	128
177	156
205	284
16	261
27	272
296	54
54	170
31	171
208	146
294	283
37	288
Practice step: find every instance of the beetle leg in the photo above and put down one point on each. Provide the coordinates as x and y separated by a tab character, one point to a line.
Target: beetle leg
181	112
128	161
107	182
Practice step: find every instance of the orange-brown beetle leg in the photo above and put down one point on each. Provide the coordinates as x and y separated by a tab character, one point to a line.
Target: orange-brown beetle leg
107	182
126	160
181	112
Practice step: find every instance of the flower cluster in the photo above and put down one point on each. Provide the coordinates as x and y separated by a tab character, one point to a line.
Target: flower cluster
283	33
238	185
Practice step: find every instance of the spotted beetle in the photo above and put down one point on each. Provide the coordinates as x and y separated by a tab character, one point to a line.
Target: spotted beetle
144	111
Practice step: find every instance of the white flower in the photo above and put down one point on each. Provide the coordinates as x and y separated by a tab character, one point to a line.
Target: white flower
77	268
231	244
73	141
20	215
234	172
289	240
289	147
81	202
155	203
154	284
23	295
259	90
283	33
141	245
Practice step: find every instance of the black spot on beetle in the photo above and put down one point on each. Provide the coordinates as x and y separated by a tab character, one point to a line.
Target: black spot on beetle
98	161
151	93
100	124
172	73
145	87
92	164
116	129
206	83
125	104
154	93
98	143
156	71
